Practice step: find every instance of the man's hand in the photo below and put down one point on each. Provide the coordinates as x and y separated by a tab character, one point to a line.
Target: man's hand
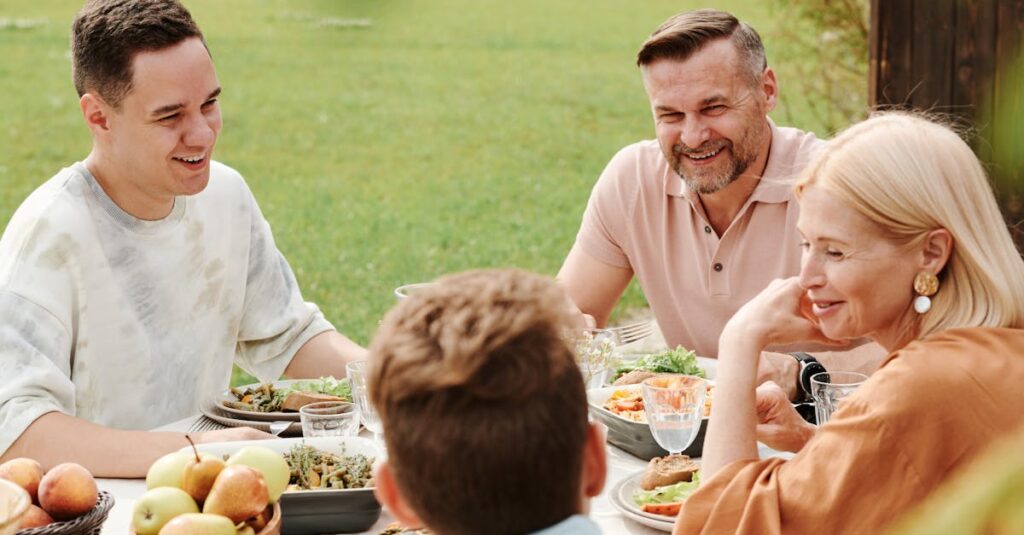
779	426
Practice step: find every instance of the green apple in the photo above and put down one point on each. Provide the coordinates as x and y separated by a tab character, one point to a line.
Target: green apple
198	524
169	470
158	506
268	462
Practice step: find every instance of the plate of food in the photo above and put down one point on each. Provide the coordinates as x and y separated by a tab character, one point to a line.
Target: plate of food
331	487
653	497
620	406
280	400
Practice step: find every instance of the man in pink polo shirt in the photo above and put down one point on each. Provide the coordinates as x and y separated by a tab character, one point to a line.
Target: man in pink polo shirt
704	215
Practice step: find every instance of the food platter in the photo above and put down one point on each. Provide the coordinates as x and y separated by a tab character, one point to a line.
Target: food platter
274	416
214	411
320	510
622	499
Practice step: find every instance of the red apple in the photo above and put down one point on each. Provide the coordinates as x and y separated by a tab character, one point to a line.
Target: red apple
67	491
35	517
25	473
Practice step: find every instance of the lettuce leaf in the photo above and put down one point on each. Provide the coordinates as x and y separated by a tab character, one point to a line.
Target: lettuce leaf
678	360
669	493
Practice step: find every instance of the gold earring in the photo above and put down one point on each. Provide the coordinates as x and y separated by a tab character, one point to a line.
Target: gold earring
925	284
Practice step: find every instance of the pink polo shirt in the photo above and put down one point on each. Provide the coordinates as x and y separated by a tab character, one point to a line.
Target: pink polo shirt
642	216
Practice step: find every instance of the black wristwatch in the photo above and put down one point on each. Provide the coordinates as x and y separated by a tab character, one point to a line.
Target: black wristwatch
808	367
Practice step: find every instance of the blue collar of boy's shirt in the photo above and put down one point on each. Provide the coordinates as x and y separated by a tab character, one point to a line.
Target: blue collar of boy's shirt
574	525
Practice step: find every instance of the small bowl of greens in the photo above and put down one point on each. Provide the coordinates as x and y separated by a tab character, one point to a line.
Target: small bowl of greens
620	406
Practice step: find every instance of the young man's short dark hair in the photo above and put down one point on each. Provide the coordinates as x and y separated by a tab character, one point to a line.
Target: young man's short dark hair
106	35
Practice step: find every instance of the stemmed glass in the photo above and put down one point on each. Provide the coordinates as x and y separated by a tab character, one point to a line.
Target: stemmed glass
674	405
595	350
356	372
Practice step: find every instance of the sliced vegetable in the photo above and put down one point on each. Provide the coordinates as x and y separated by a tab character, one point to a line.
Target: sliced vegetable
667	509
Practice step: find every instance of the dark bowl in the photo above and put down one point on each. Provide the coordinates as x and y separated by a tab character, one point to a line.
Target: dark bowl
319	511
634	437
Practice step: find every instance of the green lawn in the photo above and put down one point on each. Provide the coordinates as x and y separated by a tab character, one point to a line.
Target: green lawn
442	136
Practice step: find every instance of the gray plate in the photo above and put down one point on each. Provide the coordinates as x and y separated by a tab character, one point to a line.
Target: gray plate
634	437
318	511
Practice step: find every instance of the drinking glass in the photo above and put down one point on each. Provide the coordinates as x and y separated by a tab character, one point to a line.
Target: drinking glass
829	388
329	419
406	290
674	405
595	353
356	372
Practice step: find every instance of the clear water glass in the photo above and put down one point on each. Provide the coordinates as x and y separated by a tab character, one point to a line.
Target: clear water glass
829	388
595	355
329	419
674	405
406	290
356	372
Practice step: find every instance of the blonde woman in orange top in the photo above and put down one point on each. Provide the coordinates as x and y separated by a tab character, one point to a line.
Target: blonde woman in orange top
890	201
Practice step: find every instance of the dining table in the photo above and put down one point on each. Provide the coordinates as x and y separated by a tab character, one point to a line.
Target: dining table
621	465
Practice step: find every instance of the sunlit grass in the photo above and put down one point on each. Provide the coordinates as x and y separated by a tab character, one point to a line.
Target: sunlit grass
387	142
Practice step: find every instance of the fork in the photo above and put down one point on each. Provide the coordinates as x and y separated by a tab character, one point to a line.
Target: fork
627	334
204	424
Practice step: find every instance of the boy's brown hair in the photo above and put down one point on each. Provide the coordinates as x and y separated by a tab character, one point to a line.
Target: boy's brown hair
106	35
483	406
685	33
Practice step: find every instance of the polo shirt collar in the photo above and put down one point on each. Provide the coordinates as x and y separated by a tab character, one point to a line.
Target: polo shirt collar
775	185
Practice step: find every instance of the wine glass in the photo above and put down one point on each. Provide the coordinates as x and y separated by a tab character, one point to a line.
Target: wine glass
356	372
674	405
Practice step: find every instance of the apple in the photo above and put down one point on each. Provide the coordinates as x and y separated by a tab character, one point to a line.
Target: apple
24	472
35	517
270	463
169	470
198	524
238	493
158	506
67	491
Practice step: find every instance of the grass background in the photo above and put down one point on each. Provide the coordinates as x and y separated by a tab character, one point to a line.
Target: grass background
390	142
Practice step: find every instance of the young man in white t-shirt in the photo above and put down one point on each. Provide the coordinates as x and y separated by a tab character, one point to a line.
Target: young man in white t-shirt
131	281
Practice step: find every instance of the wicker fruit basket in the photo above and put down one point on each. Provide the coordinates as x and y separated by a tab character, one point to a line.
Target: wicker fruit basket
88	524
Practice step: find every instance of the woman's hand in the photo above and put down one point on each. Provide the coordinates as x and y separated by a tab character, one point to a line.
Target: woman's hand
777	316
779	426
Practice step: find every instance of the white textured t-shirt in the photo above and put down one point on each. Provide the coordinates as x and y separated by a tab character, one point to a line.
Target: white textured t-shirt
129	323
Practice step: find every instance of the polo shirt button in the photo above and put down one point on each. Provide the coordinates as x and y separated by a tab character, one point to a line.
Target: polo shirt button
718	266
707	229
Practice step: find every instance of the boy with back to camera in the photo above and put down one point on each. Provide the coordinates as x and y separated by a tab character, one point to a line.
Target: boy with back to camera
485	410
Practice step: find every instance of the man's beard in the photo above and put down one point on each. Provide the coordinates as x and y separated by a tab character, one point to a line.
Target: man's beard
706	181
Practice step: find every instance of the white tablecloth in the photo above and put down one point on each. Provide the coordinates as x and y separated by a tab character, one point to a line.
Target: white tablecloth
620	466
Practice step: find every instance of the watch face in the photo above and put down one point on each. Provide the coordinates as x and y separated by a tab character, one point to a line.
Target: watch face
809	370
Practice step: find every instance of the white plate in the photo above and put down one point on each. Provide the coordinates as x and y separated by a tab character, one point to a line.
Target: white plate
622	499
242	414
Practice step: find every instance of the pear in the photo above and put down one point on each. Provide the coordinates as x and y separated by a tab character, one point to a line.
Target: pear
200	473
271	465
238	493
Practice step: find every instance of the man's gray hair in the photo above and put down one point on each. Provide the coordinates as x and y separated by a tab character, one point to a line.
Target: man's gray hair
685	33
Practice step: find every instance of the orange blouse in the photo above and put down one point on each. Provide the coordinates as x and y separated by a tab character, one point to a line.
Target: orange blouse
929	409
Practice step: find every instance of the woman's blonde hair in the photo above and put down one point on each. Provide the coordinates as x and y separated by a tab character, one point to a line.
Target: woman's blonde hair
909	176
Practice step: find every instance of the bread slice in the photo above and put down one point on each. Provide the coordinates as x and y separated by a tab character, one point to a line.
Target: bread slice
668	470
633	377
297	400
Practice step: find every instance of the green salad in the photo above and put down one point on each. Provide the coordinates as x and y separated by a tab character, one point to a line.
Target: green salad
678	360
669	493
